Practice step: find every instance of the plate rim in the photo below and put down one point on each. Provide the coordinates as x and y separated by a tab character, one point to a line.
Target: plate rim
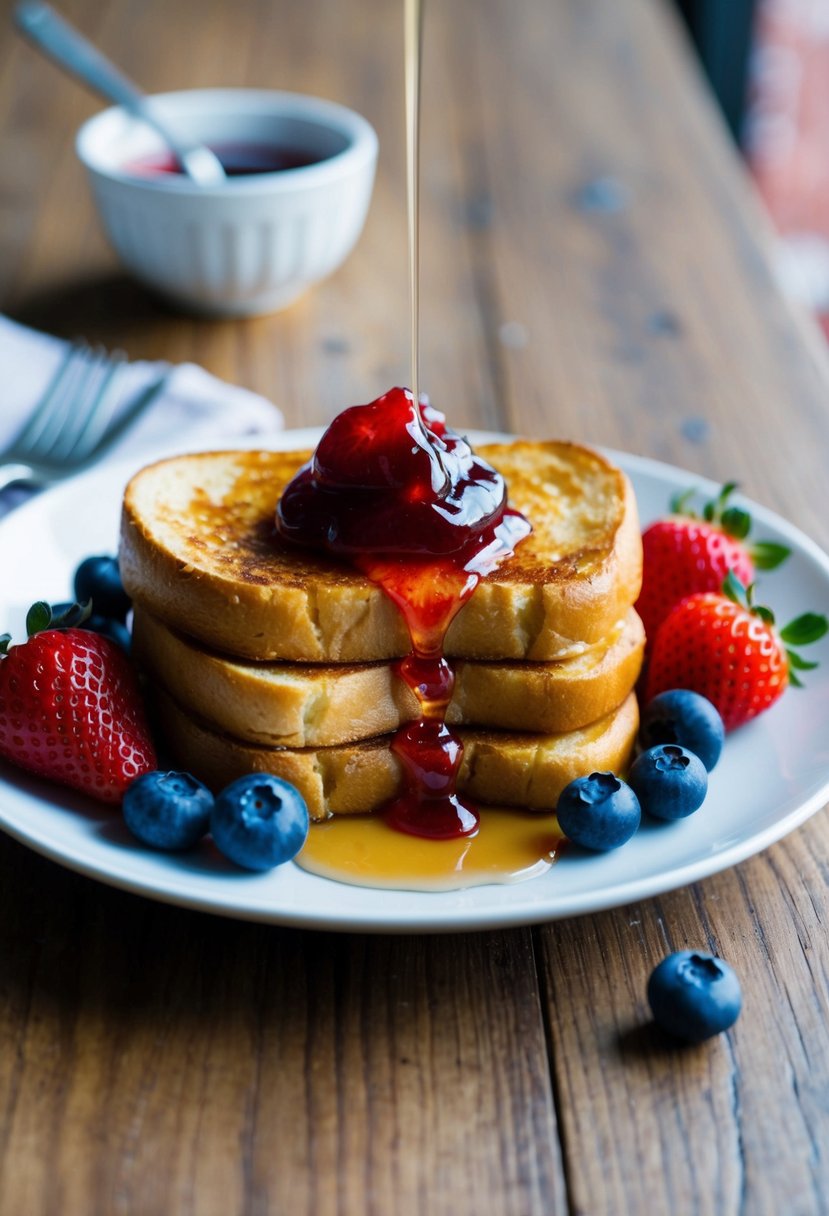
415	920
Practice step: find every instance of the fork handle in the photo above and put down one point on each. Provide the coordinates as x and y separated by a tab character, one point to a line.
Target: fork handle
11	473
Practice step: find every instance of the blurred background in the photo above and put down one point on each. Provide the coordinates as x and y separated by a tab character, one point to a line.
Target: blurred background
768	64
766	61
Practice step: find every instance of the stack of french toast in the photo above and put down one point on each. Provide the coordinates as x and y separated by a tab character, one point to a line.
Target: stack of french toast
261	656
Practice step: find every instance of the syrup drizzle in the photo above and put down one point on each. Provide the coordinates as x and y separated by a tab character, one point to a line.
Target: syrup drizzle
410	504
413	40
405	499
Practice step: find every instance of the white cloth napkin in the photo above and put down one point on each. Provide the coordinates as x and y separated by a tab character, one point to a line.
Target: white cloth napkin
193	411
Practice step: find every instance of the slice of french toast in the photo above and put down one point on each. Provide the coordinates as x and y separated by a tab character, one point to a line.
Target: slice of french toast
310	705
499	767
200	551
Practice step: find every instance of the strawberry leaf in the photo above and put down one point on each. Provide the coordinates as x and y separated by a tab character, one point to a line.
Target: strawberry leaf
5	638
804	629
795	661
765	614
713	511
794	681
736	522
69	616
56	616
734	589
767	555
38	618
679	502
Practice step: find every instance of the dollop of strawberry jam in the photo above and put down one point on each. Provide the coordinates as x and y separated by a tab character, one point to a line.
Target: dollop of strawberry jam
393	490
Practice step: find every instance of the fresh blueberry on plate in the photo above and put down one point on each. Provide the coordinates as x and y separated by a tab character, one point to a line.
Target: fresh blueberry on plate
694	995
669	781
687	718
598	812
167	810
116	631
99	579
259	821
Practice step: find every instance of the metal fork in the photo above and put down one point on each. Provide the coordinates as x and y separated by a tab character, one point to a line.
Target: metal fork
72	424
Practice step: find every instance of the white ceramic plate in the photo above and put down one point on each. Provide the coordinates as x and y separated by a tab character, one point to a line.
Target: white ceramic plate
773	775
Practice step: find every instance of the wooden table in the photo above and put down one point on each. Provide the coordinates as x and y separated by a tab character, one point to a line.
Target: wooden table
595	266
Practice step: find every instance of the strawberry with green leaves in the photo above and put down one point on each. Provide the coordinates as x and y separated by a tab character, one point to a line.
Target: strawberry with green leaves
686	554
70	707
723	646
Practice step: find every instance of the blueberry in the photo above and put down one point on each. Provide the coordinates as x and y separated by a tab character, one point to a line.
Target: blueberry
598	812
167	810
687	718
669	781
694	995
99	579
116	631
259	821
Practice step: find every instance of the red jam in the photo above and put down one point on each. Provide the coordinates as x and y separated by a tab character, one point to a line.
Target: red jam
393	490
237	160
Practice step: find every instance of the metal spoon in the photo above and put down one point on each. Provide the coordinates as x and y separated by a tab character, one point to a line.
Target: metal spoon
68	48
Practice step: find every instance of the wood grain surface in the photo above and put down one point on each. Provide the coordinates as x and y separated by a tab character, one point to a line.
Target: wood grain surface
594	266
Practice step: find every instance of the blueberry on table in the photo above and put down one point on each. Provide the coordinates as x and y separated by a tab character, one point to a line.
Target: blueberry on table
669	781
687	718
99	579
259	821
167	810
598	812
694	995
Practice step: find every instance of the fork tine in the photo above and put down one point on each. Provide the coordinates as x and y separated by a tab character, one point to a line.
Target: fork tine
92	410
129	416
74	397
32	428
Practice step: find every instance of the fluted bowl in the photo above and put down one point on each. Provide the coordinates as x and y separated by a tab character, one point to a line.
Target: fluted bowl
257	241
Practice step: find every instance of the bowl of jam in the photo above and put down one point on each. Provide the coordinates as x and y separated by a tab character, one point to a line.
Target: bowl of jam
299	176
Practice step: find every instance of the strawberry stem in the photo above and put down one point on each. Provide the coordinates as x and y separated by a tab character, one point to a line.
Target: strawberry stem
802	631
43	616
734	522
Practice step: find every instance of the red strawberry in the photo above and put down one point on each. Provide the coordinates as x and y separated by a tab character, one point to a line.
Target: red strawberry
70	709
685	554
722	646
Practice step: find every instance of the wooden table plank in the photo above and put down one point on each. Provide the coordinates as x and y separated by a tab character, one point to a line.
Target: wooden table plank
168	1061
657	290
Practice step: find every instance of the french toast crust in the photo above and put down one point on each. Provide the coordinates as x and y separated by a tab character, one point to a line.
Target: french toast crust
301	705
199	549
519	769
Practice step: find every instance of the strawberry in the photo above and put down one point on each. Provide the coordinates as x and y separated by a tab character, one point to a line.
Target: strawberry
70	708
721	645
685	554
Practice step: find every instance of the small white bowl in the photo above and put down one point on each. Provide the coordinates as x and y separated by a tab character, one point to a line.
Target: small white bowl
255	243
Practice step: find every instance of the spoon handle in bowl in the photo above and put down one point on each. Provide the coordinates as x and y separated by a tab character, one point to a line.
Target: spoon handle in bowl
67	47
61	42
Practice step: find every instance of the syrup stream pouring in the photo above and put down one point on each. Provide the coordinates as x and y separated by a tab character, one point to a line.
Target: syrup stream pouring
413	18
413	40
62	43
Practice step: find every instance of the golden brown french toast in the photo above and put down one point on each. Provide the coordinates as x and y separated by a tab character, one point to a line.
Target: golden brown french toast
200	551
304	705
499	767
